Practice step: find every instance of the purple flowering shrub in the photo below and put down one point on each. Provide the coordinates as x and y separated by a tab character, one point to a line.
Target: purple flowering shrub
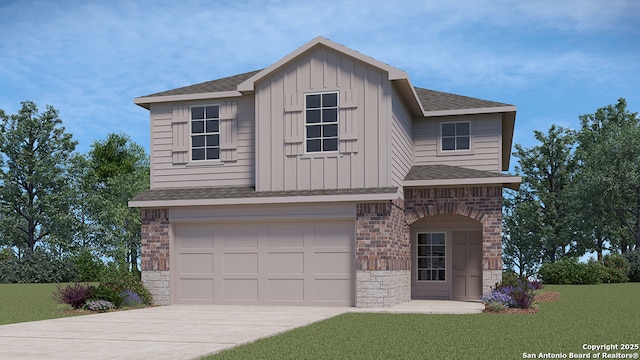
75	295
130	298
99	305
515	292
497	300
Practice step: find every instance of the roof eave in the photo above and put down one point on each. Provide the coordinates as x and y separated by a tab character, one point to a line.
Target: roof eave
264	200
511	182
146	101
408	91
471	111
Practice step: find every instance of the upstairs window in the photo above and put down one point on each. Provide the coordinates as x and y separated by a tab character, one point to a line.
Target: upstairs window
455	136
205	132
321	122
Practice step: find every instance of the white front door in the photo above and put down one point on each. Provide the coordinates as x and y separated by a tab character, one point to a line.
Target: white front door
467	265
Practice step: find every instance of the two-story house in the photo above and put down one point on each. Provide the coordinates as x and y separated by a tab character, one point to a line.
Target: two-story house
326	178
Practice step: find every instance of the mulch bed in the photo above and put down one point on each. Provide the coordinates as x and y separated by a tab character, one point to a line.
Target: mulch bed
543	297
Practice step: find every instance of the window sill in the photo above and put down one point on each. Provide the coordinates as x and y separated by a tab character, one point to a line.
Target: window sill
204	163
454	152
326	155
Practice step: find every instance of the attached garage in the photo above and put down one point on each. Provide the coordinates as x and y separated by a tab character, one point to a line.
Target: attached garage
263	262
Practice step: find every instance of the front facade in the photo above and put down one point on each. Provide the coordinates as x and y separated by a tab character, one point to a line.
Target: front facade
326	178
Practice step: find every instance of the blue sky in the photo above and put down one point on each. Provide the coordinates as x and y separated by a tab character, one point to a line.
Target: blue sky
554	60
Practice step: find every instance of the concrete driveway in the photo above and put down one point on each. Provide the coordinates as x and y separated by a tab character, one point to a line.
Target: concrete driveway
165	332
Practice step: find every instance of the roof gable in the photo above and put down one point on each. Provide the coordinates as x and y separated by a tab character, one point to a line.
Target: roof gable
394	73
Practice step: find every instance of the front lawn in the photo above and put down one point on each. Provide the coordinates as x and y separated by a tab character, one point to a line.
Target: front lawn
585	314
29	302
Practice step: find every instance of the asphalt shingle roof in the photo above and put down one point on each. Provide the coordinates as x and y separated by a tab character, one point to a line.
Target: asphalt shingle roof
225	84
246	192
431	100
441	172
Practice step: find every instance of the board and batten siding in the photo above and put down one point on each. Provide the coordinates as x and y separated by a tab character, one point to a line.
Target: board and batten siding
486	143
365	109
401	141
170	165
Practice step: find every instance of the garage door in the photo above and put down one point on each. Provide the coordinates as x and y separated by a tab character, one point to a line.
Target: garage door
287	263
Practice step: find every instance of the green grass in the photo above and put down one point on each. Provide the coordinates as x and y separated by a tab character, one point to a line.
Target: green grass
585	314
29	302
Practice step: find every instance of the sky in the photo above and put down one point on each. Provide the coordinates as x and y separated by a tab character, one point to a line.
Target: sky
554	60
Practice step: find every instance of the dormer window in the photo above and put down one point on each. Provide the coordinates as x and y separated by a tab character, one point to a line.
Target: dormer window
455	136
205	132
321	122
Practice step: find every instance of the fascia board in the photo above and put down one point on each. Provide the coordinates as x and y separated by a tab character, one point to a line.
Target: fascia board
264	200
454	112
142	101
466	181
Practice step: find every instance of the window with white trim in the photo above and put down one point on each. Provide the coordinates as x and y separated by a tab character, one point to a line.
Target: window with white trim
431	256
455	136
205	132
321	122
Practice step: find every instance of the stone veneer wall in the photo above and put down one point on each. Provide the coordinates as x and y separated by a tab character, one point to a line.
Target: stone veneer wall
383	255
382	288
157	282
482	203
155	253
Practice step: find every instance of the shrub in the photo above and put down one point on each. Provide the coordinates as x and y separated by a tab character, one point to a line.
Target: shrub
89	267
121	279
513	291
497	300
75	295
523	294
7	254
570	271
103	292
617	268
37	267
633	257
99	305
509	278
130	298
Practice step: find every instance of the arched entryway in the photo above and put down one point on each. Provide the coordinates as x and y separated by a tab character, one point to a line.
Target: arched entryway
446	258
460	218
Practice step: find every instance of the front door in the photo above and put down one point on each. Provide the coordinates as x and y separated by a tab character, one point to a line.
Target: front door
467	265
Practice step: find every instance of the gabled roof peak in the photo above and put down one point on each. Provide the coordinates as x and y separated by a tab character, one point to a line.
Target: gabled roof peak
394	73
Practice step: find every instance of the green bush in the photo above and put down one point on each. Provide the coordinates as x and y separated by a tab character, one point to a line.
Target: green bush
120	279
104	292
617	268
509	278
6	254
570	271
37	267
89	266
633	257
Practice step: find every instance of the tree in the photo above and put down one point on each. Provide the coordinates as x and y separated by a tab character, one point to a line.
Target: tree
35	151
608	180
521	239
119	170
547	170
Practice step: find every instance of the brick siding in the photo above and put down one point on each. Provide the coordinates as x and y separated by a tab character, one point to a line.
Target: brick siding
382	237
482	203
155	240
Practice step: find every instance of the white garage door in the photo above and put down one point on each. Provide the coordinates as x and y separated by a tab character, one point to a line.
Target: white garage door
287	263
